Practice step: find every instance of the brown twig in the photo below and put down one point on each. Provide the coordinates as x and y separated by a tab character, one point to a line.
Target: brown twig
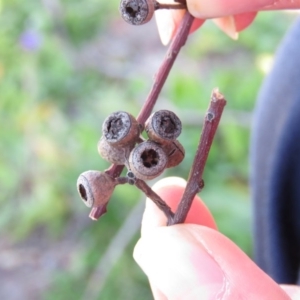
170	6
180	1
195	181
143	186
162	74
164	70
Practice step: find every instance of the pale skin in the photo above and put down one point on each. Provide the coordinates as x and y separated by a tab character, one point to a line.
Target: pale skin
194	261
232	16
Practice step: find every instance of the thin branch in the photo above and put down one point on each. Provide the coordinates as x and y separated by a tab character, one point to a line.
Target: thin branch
195	181
162	74
143	186
170	6
165	68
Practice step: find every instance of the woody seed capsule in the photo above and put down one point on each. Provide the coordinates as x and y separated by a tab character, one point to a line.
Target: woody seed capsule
147	160
120	128
95	188
163	126
137	12
114	154
175	153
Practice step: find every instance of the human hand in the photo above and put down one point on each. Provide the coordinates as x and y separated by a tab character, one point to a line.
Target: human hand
231	16
195	261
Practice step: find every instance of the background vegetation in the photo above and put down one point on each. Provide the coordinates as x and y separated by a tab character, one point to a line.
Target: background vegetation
64	66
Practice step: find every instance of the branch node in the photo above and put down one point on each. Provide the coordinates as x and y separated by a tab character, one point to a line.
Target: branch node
210	116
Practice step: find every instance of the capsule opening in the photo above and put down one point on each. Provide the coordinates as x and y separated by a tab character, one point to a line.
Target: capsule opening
132	9
82	192
150	158
168	125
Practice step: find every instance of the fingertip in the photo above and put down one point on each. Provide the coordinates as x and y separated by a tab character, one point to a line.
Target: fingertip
156	292
227	25
292	290
196	24
242	21
169	182
232	25
171	189
174	261
185	260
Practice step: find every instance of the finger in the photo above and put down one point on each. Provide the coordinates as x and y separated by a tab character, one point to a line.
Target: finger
168	20
283	4
188	261
292	290
171	190
227	25
204	9
157	294
231	25
242	21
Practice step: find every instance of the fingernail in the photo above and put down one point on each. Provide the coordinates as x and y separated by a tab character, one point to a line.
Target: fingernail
165	24
227	25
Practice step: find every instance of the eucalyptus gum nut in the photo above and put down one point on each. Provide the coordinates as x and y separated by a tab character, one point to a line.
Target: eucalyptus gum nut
137	12
117	155
163	126
147	160
120	128
175	153
95	188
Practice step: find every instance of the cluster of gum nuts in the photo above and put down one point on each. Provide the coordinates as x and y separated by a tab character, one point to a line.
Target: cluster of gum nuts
122	144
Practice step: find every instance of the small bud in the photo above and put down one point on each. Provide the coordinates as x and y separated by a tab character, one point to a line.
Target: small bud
120	128
131	177
137	12
163	126
95	188
147	160
175	153
114	154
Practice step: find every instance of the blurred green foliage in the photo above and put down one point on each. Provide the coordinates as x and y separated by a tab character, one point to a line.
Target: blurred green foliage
52	104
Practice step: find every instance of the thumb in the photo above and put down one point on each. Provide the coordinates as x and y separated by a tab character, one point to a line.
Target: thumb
192	261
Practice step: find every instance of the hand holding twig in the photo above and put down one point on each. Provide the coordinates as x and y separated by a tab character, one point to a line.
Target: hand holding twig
122	145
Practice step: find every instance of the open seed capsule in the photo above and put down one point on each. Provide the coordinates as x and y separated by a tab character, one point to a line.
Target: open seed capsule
147	160
120	128
95	188
163	126
116	155
137	12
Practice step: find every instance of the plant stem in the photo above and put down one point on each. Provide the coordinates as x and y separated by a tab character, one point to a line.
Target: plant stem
143	186
195	181
164	70
180	1
162	74
169	6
